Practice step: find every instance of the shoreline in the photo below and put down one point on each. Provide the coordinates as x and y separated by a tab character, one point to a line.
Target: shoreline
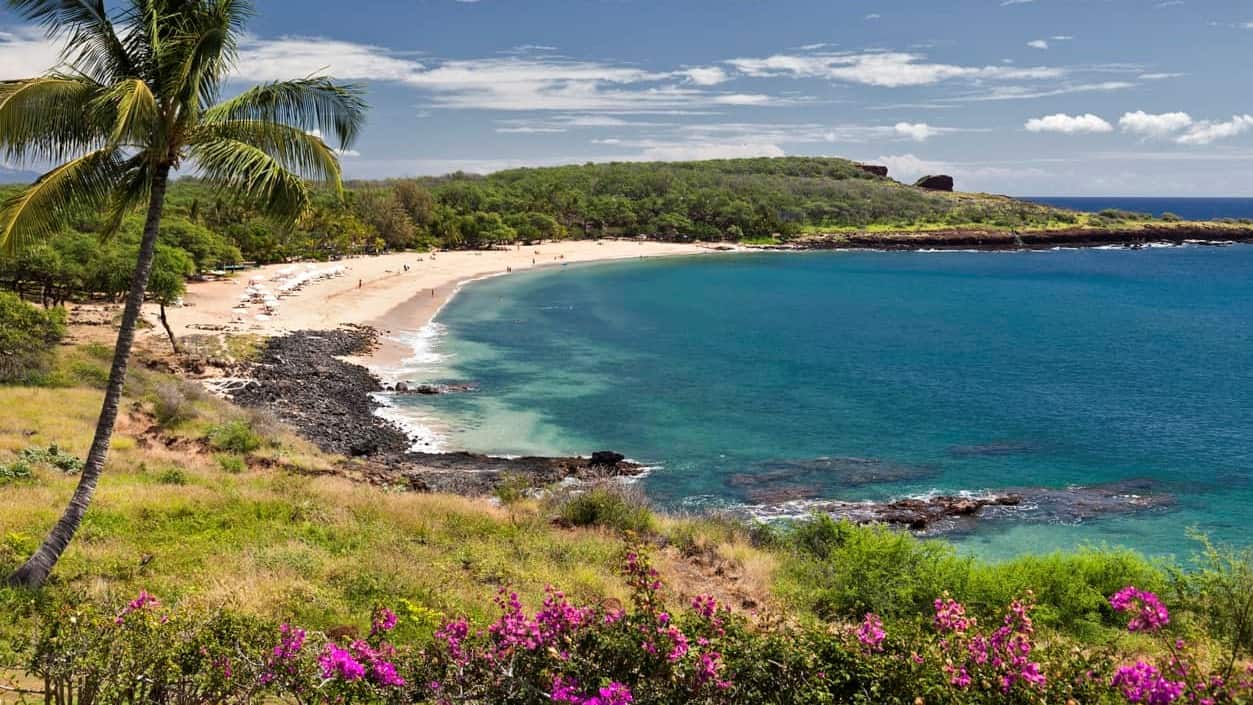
415	315
397	291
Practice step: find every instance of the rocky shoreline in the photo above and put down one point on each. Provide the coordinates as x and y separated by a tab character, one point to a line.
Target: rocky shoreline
957	239
944	514
302	379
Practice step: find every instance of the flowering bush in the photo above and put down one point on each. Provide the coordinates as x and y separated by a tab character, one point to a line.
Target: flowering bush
658	651
1180	675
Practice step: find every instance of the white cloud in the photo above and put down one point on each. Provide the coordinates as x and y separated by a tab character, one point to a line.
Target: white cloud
1158	126
1027	92
705	75
909	168
281	59
1206	132
1069	124
689	152
519	81
742	99
1038	44
25	53
919	132
887	69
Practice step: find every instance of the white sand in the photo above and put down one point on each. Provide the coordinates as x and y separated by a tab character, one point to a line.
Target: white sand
378	291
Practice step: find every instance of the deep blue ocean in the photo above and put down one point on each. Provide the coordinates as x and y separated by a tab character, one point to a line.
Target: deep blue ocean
1187	208
939	372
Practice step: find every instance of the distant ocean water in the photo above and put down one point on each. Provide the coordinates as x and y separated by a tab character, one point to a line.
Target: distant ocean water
1187	208
943	372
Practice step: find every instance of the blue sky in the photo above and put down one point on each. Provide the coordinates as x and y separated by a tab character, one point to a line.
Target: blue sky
1040	97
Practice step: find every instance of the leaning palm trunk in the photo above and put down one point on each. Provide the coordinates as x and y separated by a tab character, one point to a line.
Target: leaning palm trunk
169	332
36	570
135	100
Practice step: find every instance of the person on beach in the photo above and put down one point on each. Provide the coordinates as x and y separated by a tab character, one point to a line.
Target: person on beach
358	283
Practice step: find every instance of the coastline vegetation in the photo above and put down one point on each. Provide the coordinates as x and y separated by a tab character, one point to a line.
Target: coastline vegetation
751	201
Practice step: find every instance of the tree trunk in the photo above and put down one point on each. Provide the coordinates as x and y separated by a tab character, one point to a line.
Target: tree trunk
166	325
36	570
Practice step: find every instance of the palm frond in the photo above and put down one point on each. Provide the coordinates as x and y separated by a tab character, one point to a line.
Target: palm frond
132	108
44	206
336	110
132	192
297	151
248	171
91	44
49	118
204	50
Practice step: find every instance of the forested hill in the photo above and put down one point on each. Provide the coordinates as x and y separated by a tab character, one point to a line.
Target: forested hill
739	199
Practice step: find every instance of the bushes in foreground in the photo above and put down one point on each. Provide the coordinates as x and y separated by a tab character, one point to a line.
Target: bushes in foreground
839	570
644	653
27	337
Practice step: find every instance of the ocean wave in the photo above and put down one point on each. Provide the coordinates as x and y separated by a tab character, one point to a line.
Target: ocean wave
421	430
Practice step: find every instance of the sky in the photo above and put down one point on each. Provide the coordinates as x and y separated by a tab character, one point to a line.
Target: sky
1024	97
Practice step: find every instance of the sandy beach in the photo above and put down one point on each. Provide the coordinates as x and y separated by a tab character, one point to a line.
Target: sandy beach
401	291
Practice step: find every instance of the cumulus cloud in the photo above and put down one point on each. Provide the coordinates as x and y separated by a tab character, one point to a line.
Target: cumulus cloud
909	167
705	75
1157	126
1181	128
1206	132
919	132
1038	44
1069	124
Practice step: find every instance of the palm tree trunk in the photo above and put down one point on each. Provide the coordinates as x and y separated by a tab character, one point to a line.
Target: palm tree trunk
36	570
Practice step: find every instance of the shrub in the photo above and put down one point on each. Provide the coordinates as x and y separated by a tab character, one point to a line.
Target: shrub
172	476
27	337
611	506
511	489
656	650
847	570
1220	593
172	405
234	437
231	463
841	570
145	653
16	471
1171	217
53	457
265	424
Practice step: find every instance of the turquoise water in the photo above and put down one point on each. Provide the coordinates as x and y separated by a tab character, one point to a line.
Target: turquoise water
952	372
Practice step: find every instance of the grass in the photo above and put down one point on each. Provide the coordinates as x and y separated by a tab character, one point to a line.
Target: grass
222	529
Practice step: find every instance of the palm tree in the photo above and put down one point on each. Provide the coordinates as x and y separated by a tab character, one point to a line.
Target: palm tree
134	98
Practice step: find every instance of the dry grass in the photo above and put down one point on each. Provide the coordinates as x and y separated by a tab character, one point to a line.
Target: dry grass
318	548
